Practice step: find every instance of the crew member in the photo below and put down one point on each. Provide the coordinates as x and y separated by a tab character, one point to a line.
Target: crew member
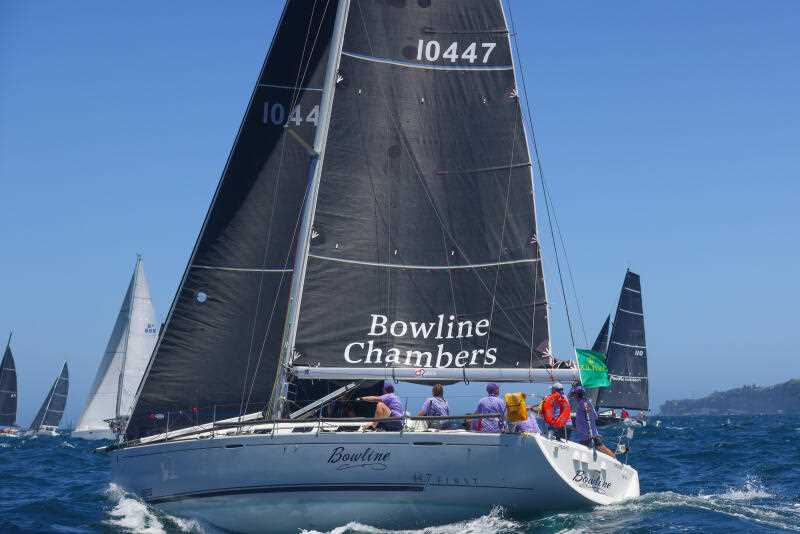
436	406
585	422
555	411
492	403
529	425
389	405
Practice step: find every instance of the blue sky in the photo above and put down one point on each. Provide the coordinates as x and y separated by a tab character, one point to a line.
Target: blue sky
669	133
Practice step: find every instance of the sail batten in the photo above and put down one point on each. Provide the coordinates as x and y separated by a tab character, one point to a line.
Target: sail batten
626	358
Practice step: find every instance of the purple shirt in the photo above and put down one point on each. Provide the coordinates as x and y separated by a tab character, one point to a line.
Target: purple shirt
435	406
490	404
529	425
585	417
392	402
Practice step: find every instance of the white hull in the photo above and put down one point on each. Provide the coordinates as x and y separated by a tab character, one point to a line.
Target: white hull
93	434
44	431
282	483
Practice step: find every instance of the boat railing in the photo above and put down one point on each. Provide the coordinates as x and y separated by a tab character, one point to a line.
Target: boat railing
257	423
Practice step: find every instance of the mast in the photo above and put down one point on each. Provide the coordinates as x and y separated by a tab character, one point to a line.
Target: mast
310	205
127	337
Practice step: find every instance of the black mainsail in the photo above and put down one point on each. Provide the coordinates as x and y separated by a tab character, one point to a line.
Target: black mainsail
627	352
218	352
424	252
52	409
8	388
600	345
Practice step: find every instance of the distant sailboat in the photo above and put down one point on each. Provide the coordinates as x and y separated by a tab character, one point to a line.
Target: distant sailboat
52	410
123	364
626	358
8	393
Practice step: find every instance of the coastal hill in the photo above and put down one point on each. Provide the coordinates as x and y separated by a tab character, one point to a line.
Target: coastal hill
746	400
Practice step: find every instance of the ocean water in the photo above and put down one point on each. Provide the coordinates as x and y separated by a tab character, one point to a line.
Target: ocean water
705	474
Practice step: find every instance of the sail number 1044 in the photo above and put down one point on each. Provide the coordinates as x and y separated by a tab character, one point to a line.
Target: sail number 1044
433	50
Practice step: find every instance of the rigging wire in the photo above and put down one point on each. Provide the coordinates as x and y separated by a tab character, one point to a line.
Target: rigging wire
552	217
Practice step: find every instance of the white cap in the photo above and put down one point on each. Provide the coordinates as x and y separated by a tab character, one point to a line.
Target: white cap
557	385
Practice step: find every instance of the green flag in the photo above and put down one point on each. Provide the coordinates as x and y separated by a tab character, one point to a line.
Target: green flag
592	365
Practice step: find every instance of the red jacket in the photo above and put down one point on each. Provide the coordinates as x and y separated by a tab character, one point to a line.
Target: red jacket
549	404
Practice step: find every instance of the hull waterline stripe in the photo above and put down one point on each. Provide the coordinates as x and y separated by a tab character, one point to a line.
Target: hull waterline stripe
290	87
240	269
412	65
289	489
423	267
631	312
629	346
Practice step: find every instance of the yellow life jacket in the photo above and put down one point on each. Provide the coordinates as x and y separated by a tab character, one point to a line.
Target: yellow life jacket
516	410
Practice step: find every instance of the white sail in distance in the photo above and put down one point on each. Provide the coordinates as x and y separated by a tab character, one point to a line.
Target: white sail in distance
124	361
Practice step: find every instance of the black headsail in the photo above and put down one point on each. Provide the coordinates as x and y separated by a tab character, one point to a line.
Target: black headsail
424	250
52	408
219	349
627	352
8	387
600	345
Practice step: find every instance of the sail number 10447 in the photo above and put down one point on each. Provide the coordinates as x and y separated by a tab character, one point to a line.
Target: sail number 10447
433	50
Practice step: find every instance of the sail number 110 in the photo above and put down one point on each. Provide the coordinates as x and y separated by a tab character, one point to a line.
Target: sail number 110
433	50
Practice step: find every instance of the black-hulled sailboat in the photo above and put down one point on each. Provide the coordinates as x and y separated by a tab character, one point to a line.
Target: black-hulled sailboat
626	357
52	410
375	221
8	393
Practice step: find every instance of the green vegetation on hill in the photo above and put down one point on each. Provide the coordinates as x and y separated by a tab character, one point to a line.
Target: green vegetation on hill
746	400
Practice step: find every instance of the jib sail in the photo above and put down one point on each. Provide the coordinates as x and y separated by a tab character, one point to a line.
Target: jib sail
220	346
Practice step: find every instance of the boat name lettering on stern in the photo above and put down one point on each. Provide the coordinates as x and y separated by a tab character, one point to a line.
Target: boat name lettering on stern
596	482
369	458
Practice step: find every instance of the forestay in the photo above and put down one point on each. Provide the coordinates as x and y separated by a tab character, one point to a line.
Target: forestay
8	387
219	349
627	352
424	252
125	359
52	408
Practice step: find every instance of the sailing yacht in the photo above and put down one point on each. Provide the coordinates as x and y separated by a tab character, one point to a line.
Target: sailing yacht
375	222
128	350
626	357
52	410
8	393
